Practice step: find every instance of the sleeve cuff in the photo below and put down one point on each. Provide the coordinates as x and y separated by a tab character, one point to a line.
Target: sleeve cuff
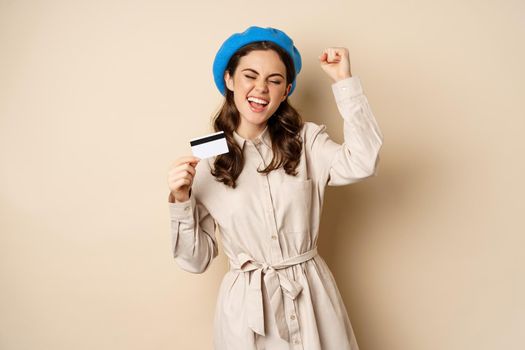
347	88
182	210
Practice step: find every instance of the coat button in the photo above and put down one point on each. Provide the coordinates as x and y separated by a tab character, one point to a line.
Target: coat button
274	237
292	317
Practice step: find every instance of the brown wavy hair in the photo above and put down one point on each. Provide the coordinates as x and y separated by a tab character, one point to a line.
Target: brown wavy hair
283	126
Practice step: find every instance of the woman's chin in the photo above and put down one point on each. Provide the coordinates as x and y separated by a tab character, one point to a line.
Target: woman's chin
256	119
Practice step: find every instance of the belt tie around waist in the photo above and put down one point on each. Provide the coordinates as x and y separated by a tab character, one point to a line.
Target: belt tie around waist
277	283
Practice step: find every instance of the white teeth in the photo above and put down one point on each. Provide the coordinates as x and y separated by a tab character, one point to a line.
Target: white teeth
259	101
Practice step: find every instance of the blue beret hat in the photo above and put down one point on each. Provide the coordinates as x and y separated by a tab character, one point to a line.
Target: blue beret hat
250	35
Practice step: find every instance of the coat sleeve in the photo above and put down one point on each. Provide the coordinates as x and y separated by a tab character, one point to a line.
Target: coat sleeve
193	234
357	158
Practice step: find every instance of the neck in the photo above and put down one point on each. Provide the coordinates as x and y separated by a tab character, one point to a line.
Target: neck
250	131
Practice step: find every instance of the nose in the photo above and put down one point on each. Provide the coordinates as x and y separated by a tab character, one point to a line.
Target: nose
261	85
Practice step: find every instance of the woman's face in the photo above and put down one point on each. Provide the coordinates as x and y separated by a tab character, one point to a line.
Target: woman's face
262	75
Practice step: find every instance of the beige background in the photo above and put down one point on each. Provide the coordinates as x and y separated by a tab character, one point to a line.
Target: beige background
97	98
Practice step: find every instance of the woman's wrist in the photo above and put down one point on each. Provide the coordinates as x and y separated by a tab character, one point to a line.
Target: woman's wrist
343	77
174	199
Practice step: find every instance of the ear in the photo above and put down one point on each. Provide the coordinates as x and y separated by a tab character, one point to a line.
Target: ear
286	92
228	80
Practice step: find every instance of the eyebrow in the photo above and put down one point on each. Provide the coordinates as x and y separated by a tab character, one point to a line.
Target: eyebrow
271	75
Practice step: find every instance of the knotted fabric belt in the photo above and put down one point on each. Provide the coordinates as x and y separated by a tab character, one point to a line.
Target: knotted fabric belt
277	283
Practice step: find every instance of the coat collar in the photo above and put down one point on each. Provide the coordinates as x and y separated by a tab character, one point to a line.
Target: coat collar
264	137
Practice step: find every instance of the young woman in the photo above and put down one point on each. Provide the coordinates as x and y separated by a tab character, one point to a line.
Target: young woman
265	196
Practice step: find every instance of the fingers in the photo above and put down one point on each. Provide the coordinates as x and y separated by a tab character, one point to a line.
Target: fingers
186	159
184	163
186	167
177	184
181	173
333	54
180	180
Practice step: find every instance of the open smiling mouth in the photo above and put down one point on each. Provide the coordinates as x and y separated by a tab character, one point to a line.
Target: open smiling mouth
256	104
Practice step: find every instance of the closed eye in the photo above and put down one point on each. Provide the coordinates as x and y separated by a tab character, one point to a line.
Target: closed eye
277	82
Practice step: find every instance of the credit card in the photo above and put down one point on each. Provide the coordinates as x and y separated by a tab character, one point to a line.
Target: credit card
209	145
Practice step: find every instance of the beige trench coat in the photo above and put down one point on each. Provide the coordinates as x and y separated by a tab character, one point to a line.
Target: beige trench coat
278	293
